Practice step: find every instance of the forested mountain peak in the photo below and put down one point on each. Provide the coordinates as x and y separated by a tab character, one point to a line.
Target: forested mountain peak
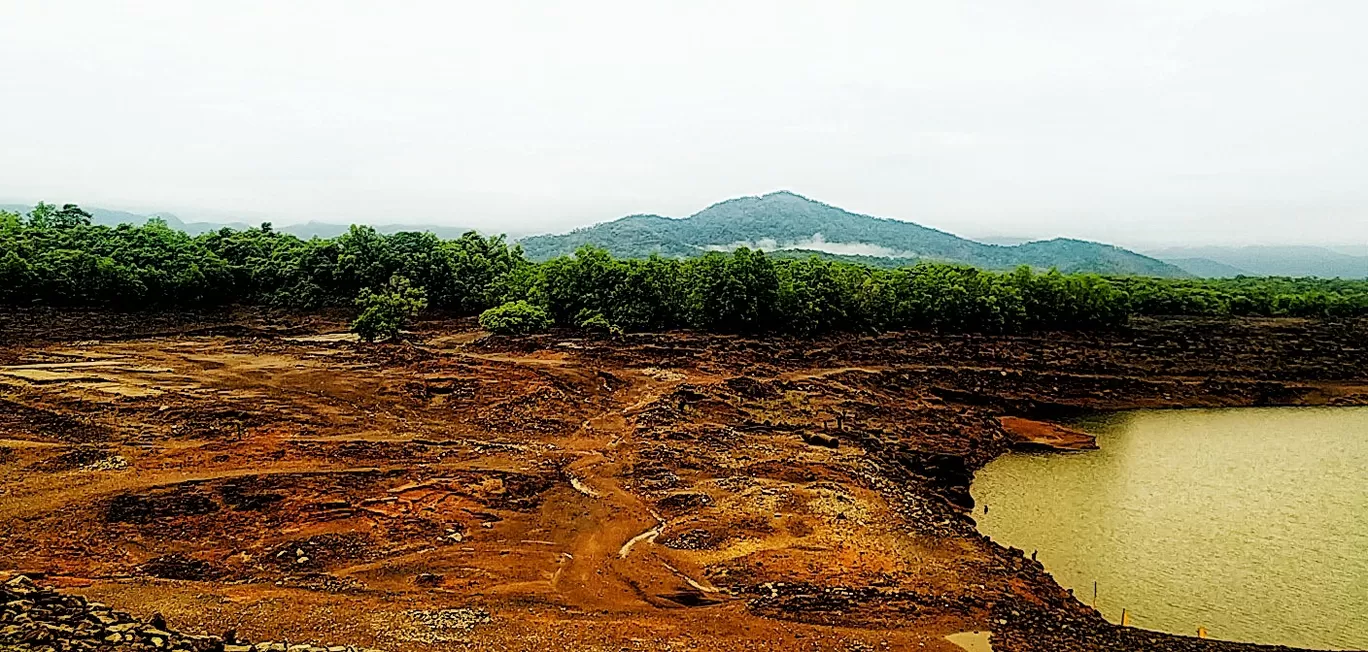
776	199
785	220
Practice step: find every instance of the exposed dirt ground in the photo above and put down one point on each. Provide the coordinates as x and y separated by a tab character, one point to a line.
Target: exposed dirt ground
652	492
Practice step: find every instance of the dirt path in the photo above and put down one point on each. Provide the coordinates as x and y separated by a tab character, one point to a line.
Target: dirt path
606	518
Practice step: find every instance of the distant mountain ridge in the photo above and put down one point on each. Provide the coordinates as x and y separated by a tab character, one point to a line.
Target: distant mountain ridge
1265	260
787	221
306	230
1207	268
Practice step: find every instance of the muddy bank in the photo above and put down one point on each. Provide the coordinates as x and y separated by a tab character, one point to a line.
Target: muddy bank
1032	434
651	491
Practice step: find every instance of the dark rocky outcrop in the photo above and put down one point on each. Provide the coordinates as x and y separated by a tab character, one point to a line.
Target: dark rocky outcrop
38	618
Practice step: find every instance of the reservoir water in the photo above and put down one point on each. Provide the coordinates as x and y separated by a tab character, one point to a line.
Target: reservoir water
1250	523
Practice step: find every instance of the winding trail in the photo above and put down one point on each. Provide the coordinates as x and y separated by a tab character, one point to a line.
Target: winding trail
611	563
648	536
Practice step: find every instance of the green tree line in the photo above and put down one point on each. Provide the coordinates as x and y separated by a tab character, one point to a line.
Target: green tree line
55	256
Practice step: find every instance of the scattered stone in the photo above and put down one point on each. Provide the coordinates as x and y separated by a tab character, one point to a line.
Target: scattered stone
436	626
180	567
111	463
39	618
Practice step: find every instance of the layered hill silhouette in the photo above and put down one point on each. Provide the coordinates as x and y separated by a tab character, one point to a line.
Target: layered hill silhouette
1225	262
784	221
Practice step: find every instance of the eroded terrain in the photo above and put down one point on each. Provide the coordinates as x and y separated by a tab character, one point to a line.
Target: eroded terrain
653	492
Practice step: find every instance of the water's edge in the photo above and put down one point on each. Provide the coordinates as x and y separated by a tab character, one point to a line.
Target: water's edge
1088	420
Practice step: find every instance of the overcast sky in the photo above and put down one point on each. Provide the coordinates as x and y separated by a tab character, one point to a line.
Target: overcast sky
1139	123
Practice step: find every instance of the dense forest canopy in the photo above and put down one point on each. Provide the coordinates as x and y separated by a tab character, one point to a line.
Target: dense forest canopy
56	257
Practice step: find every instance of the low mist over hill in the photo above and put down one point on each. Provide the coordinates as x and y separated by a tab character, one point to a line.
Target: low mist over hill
786	221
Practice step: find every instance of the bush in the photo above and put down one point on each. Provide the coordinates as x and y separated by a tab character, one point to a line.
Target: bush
515	318
387	311
597	323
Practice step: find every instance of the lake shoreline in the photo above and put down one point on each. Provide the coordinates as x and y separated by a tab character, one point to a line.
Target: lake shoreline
1040	437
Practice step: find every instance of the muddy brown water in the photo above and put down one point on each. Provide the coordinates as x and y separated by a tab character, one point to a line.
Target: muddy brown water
1250	523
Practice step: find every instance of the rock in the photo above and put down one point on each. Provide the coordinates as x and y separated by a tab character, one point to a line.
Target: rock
157	621
819	439
19	582
428	579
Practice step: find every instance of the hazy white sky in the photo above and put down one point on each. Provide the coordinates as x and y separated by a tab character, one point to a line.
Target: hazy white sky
1136	122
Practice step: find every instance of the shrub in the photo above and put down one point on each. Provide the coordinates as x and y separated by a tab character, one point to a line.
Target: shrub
515	318
387	311
597	323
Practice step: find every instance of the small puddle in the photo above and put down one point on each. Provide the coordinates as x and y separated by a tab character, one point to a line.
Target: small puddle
972	641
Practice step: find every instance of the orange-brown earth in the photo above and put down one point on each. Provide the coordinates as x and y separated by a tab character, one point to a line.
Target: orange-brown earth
1029	434
654	492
